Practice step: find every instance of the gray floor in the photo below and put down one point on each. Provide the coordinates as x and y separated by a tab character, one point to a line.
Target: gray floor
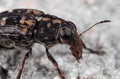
83	13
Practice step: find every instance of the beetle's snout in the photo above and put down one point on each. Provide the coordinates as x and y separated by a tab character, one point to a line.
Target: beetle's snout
76	46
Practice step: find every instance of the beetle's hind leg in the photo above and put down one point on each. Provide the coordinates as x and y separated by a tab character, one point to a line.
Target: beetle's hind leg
50	57
23	63
93	51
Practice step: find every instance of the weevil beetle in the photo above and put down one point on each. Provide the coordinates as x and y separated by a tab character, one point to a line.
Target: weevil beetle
24	27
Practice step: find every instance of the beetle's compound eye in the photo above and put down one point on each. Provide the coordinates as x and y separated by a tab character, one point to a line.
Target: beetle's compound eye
71	25
66	33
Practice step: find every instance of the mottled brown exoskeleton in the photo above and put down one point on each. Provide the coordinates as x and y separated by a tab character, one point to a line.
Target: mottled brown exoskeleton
24	27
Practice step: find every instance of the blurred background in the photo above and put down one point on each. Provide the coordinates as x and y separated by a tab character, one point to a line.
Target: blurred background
84	13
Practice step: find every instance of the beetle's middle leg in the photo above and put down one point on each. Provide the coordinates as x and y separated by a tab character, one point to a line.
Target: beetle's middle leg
92	51
23	63
50	57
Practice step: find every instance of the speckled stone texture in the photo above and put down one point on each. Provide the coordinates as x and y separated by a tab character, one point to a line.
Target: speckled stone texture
83	13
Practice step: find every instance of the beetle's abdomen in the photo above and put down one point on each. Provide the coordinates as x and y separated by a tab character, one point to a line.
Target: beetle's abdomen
18	25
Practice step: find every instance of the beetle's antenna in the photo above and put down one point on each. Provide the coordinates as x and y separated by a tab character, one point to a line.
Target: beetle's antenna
104	21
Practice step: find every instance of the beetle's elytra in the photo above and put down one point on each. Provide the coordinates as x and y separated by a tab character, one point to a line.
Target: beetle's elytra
24	27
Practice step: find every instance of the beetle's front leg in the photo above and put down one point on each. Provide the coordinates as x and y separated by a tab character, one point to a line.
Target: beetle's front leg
23	63
50	57
93	51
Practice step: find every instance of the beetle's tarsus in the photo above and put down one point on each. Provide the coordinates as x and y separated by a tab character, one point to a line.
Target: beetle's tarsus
95	52
101	52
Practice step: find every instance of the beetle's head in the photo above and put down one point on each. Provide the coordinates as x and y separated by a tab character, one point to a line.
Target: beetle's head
68	35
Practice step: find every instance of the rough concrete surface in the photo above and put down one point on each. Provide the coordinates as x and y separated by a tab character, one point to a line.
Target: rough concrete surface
83	13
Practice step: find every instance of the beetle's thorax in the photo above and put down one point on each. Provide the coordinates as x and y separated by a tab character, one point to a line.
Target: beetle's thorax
47	28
